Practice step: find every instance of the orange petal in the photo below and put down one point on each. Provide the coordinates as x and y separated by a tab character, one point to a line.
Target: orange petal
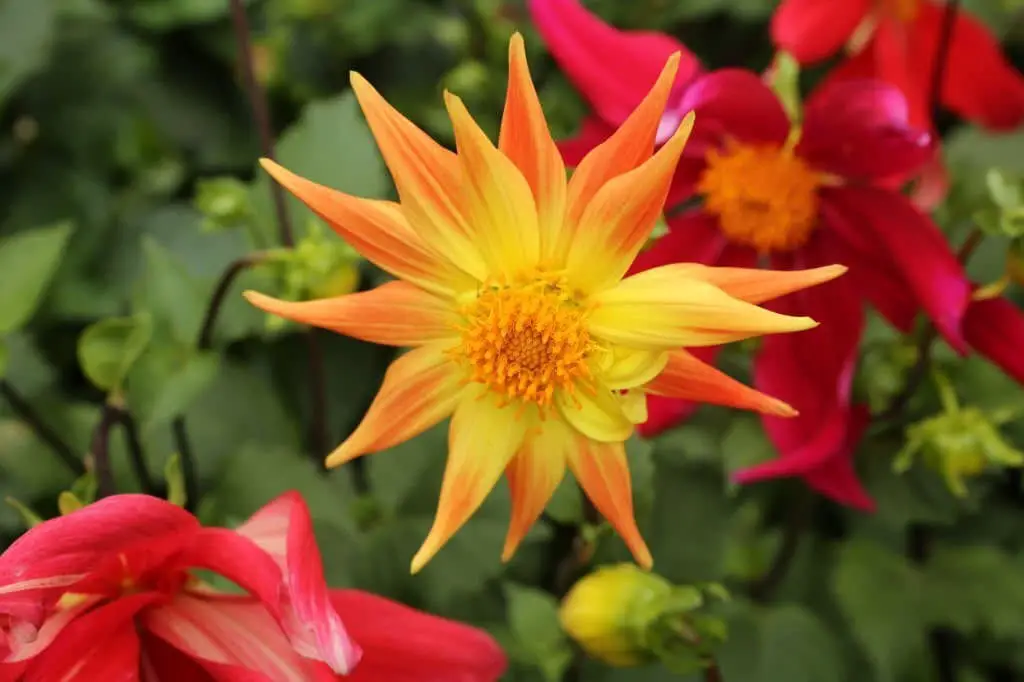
688	378
755	285
420	389
427	177
394	314
627	148
533	475
526	139
499	202
377	230
482	441
619	219
663	308
603	473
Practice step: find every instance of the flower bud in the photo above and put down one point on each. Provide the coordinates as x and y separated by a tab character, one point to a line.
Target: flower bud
224	202
607	611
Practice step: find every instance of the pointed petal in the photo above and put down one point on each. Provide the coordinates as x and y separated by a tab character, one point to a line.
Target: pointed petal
499	202
596	413
995	328
837	479
628	147
619	219
284	530
812	30
428	179
394	314
736	104
100	645
603	473
378	230
581	43
666	308
632	367
692	237
756	285
827	443
482	441
533	475
227	633
526	140
917	247
405	645
687	377
420	389
861	129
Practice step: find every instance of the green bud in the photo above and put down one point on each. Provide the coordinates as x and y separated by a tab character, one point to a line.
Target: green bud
1006	215
468	78
224	202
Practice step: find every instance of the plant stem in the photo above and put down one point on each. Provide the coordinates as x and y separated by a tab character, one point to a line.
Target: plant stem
800	514
713	673
940	641
261	116
136	454
25	412
220	292
99	450
188	466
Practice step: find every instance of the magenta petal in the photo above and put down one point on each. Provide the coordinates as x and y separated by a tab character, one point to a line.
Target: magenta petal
614	69
401	644
664	413
812	30
593	131
284	530
859	129
693	237
836	478
827	443
995	328
733	103
916	247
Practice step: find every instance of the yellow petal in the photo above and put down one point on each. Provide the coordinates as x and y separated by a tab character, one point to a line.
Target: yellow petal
482	441
603	473
662	308
499	202
631	367
428	179
755	285
533	475
393	314
526	140
596	414
628	147
420	389
688	378
619	219
377	230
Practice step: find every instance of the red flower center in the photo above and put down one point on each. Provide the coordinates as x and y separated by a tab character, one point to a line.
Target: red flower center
764	196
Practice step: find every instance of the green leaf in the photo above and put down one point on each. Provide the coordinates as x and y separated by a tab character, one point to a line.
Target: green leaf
175	481
30	518
176	300
182	388
976	590
28	261
26	32
780	643
85	486
68	502
107	349
5	356
883	600
533	619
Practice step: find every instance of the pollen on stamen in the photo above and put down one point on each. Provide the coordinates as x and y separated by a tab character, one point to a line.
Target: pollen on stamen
525	342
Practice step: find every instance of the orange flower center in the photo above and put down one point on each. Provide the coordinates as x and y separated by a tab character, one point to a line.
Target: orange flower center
901	10
764	196
526	341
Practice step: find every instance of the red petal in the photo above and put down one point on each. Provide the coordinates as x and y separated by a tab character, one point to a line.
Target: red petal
896	51
693	237
917	247
836	478
859	129
812	30
143	530
163	663
284	530
737	104
101	645
593	131
401	644
980	83
583	45
995	328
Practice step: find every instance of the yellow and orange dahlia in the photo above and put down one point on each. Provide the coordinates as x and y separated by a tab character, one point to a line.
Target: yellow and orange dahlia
510	292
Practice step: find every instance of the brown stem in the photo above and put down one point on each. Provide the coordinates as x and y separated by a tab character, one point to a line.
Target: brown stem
220	292
24	411
99	450
188	467
136	454
800	514
713	673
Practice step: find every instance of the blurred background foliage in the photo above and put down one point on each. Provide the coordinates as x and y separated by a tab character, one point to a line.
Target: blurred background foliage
128	184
